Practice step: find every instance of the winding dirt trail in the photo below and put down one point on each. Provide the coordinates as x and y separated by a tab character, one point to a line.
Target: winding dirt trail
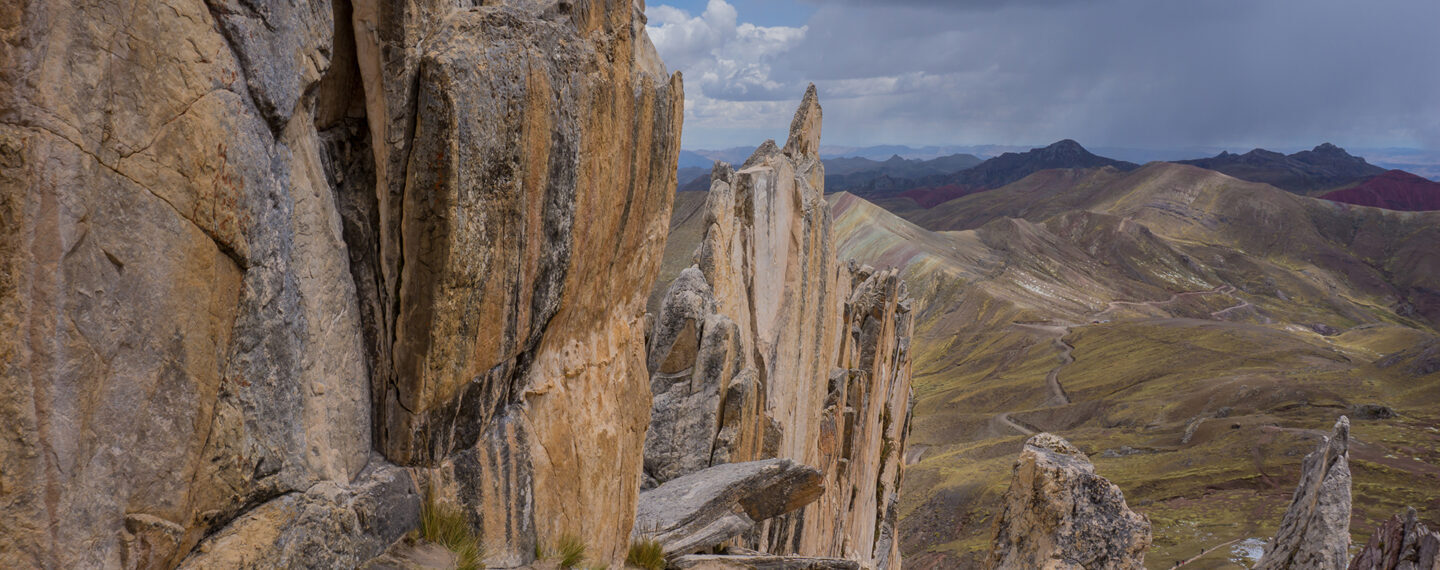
1243	304
1058	332
1113	305
1005	419
1058	397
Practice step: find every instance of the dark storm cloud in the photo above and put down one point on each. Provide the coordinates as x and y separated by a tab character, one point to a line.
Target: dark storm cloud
1109	72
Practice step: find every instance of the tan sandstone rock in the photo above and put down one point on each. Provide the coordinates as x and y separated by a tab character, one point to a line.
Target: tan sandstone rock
243	244
1059	514
769	347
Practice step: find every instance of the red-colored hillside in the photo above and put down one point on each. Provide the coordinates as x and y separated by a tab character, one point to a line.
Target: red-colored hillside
1393	190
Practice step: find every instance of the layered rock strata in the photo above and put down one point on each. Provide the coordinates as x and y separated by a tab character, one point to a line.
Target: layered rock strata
1315	532
244	244
768	347
1059	514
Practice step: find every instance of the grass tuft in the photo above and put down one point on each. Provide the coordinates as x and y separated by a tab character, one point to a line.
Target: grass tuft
446	526
571	550
646	554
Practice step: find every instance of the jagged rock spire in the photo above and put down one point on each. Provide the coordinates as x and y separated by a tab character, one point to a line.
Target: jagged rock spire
804	138
1058	513
1315	532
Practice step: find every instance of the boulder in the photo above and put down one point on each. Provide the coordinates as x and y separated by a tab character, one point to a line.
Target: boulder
1059	514
1401	543
1315	532
703	509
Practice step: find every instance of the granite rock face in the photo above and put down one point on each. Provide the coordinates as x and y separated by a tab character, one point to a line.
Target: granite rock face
243	244
1400	544
1315	532
769	347
1059	514
701	510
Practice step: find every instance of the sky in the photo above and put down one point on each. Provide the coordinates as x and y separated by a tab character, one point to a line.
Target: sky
1147	74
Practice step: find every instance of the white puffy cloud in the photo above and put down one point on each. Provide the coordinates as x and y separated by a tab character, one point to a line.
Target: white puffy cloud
730	80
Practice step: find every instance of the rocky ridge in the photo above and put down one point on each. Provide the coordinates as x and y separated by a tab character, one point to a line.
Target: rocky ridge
767	347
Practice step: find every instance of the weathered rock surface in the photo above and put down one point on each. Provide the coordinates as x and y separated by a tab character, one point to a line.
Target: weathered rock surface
242	244
1058	513
330	524
769	347
704	509
1315	532
761	562
1400	544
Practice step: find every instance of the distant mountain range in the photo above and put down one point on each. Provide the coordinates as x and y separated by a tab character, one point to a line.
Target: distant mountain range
903	184
1323	168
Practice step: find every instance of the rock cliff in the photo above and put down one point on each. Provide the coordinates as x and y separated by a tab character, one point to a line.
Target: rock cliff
768	347
1315	532
1059	514
268	267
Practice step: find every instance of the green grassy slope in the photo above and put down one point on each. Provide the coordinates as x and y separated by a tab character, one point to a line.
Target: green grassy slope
1169	322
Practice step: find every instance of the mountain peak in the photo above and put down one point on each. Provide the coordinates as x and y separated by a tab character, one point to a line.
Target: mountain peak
805	128
1067	145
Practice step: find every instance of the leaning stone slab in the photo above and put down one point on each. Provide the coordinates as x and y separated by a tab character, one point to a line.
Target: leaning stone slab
703	509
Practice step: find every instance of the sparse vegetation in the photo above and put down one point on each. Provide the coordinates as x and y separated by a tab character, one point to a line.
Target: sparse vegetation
646	554
446	526
571	550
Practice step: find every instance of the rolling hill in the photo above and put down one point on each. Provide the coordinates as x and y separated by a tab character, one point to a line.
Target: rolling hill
1393	190
1192	332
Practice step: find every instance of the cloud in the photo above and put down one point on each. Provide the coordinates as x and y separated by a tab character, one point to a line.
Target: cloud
1138	73
730	81
722	56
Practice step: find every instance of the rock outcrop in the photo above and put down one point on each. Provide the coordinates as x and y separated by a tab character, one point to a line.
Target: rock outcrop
244	244
1400	544
1059	514
704	509
768	347
1315	532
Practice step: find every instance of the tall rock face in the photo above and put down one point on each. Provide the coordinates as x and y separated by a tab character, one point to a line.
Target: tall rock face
1059	514
768	347
1315	532
258	258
